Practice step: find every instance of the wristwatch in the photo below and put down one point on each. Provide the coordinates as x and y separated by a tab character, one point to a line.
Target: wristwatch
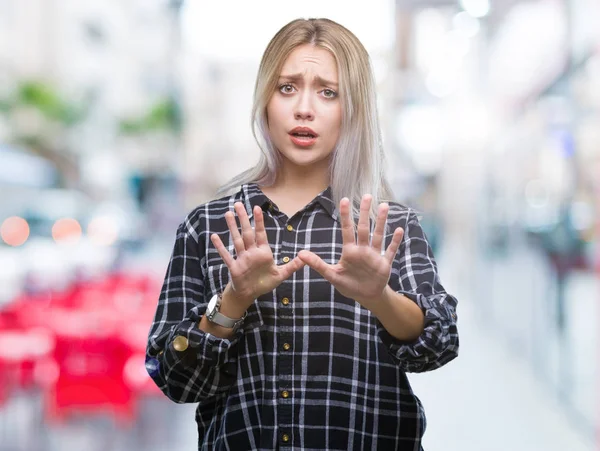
214	316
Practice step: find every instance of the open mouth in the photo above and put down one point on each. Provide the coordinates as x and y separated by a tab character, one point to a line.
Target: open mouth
303	135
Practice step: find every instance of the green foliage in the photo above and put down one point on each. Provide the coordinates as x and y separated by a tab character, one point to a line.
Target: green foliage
45	99
30	141
162	116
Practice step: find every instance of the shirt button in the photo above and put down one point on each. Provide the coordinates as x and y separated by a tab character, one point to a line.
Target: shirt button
180	343
289	228
285	301
286	259
285	394
285	438
286	346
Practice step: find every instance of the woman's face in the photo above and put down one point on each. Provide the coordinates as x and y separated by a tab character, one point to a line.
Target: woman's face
305	113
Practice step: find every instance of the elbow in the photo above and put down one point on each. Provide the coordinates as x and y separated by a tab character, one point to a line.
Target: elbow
449	354
447	351
167	381
433	355
180	392
178	396
425	365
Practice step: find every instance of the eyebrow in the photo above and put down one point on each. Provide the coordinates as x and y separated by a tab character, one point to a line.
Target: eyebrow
296	77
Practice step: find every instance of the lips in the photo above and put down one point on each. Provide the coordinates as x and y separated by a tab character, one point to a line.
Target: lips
303	136
304	132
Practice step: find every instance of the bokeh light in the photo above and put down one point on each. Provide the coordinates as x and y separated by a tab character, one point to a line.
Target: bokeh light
102	231
14	231
66	230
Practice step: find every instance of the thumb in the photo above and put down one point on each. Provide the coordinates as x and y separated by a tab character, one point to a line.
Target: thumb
315	262
289	268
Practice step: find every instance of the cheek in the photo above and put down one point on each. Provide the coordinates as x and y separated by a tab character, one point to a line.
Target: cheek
275	113
269	115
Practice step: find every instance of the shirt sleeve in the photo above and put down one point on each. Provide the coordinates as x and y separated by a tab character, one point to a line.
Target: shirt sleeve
208	365
415	275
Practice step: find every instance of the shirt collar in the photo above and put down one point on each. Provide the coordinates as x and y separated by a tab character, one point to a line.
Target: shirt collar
253	195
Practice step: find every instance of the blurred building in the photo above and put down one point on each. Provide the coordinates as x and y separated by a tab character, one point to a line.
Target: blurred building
218	139
498	103
116	62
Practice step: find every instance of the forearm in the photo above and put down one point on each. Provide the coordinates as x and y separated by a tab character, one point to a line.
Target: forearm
399	315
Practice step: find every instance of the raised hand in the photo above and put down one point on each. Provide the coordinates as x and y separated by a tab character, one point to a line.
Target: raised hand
363	272
253	272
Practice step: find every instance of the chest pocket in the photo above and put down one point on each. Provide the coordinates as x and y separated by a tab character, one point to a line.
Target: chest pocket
217	278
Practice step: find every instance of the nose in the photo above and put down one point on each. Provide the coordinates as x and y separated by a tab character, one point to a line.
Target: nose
303	109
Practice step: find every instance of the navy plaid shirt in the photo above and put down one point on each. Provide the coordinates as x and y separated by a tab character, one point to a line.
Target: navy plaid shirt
309	368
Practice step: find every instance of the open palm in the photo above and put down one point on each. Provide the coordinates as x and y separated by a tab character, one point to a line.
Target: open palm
254	271
363	270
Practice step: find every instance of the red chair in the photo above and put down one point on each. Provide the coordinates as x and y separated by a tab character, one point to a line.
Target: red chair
91	361
21	350
84	346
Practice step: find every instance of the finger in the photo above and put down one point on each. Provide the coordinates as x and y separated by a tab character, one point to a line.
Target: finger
290	268
223	252
380	227
259	227
238	242
390	253
316	263
347	225
247	231
363	221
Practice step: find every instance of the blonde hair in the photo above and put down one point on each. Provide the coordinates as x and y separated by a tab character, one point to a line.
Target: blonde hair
358	162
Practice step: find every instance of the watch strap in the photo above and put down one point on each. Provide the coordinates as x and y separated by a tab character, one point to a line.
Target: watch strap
216	317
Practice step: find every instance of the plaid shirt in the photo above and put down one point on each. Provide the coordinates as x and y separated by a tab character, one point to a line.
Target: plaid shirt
309	368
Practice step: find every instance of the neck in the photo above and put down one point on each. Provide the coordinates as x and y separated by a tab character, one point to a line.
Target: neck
306	180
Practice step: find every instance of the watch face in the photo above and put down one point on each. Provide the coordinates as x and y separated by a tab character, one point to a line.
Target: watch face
212	304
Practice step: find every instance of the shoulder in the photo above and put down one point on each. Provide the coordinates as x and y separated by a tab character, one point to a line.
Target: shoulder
401	215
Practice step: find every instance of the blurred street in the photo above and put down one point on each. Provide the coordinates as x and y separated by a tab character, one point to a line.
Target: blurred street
489	399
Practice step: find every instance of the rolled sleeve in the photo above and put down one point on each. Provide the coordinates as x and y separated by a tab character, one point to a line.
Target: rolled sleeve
204	369
207	365
415	275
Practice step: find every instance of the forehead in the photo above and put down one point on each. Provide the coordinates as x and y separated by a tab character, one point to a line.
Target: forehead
310	57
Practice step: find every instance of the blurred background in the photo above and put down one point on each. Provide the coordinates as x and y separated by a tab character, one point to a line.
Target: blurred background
119	117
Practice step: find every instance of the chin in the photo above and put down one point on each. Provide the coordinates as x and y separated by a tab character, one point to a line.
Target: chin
309	158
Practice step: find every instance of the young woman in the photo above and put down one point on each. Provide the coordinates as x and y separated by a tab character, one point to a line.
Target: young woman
295	328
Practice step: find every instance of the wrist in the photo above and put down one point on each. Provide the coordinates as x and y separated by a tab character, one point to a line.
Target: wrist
232	305
375	305
399	315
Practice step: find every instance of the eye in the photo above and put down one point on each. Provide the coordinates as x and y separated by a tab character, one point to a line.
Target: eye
329	93
286	88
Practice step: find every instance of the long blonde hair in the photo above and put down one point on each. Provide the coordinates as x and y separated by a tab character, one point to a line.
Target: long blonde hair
358	162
